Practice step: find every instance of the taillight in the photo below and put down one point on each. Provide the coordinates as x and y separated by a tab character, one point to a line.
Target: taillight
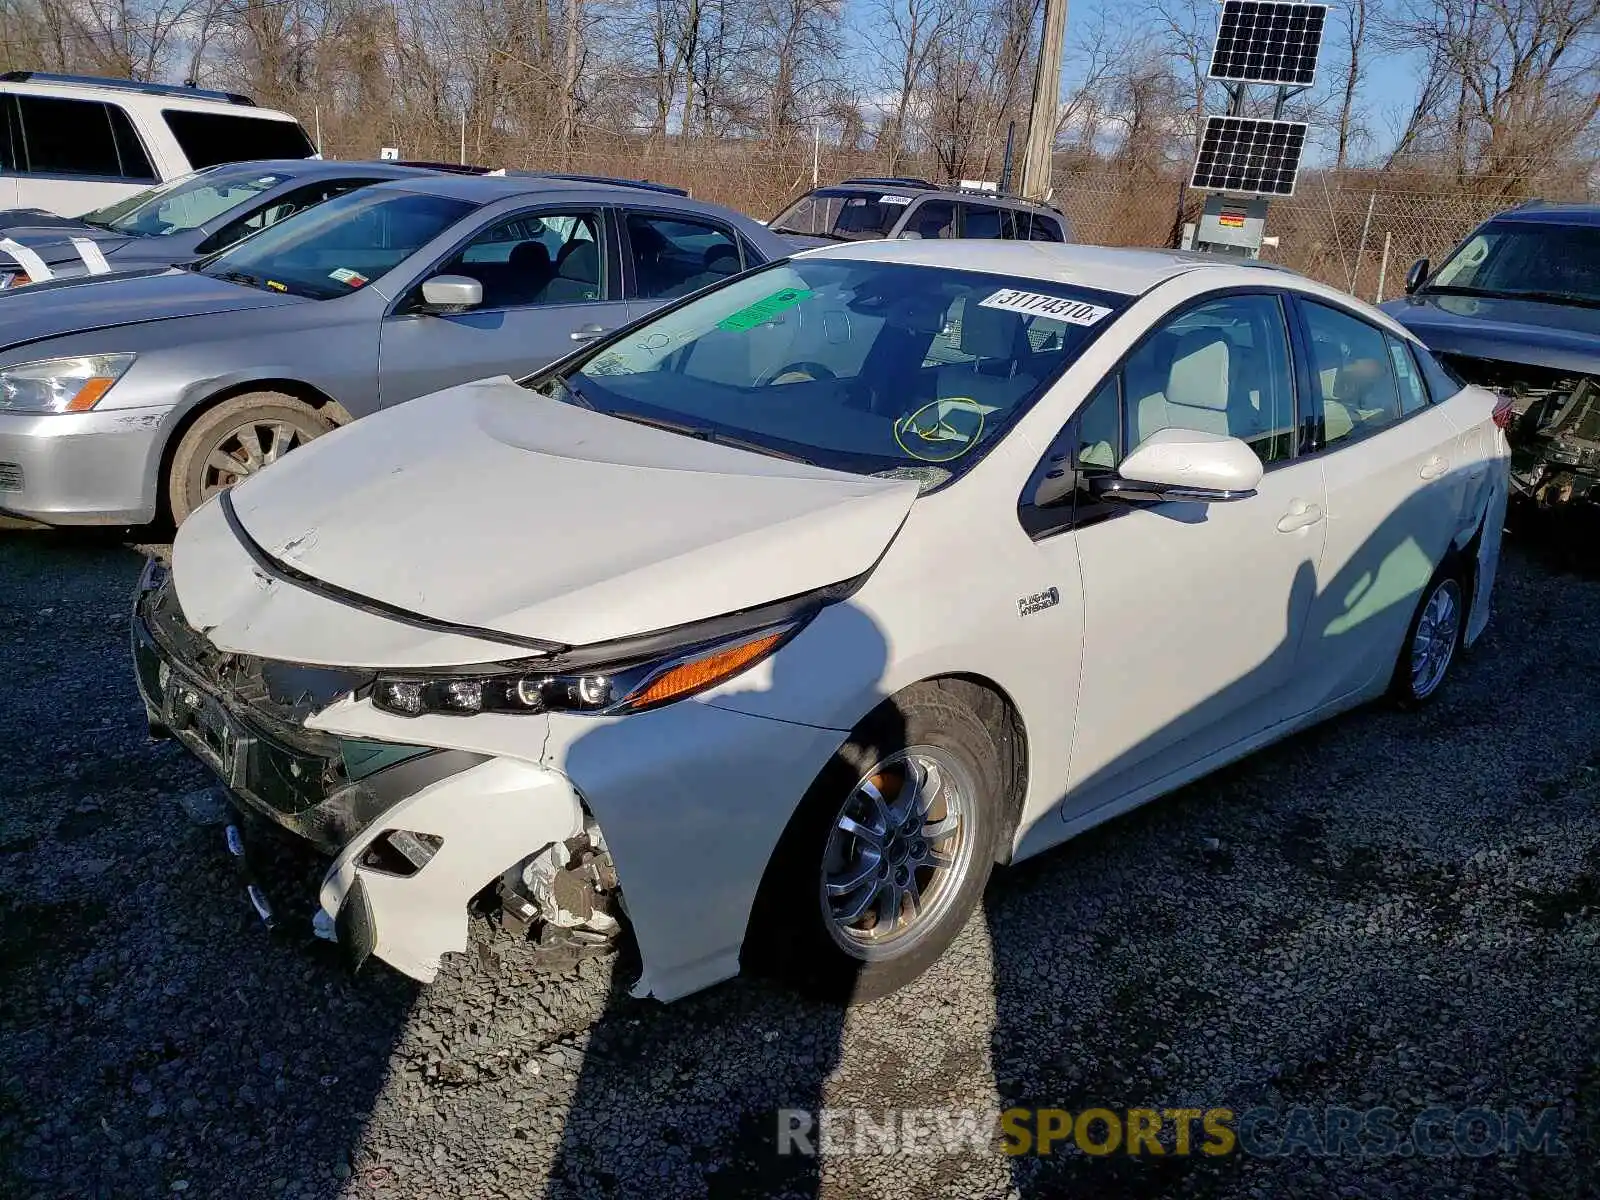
1502	413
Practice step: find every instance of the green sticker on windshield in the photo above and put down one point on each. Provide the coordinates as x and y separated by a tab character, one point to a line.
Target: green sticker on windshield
764	310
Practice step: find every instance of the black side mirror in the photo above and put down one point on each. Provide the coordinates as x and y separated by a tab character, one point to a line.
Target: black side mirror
1416	275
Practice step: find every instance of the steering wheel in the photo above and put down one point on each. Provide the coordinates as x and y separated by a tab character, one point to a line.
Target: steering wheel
797	372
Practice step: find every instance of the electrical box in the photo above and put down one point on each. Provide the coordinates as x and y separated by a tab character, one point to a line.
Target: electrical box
1232	224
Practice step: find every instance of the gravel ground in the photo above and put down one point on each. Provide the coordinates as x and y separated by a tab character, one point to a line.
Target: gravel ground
1390	910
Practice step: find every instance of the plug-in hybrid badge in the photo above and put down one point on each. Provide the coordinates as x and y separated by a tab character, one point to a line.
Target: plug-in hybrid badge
1038	602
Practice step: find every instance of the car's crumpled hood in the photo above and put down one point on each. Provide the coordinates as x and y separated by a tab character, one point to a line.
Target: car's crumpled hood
52	309
493	507
1560	336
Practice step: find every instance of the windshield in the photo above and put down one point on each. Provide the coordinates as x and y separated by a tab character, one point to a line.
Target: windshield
849	215
179	204
343	244
874	368
1523	259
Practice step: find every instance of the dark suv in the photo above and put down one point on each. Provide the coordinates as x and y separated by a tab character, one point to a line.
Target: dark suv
860	209
1516	308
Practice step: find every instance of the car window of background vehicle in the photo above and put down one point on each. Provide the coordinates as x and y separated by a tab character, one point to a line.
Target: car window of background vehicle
845	215
284	207
932	219
86	138
210	138
1549	260
549	258
862	366
180	208
342	245
1350	375
673	257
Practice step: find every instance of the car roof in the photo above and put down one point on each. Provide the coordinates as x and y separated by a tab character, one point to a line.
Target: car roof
314	168
1547	212
921	188
1104	268
487	189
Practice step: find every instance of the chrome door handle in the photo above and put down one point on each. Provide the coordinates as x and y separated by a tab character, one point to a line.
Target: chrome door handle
1299	516
1434	467
587	333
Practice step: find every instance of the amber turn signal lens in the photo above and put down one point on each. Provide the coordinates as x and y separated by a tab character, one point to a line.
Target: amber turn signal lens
702	673
89	394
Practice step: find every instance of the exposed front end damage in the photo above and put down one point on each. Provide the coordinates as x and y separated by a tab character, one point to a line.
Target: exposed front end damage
1555	430
413	835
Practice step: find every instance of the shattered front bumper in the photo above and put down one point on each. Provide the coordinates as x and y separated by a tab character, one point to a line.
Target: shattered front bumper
459	818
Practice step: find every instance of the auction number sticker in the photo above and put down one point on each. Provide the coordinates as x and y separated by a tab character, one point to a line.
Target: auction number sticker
1035	304
346	276
894	199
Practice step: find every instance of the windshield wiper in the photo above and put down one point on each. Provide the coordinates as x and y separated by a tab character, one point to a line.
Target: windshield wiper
1507	294
577	397
705	433
238	277
837	237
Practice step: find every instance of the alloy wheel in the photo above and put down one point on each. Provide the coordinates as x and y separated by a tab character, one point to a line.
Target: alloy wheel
244	450
898	851
1438	633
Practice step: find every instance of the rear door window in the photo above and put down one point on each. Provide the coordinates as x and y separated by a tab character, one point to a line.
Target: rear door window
673	257
1350	375
79	138
210	138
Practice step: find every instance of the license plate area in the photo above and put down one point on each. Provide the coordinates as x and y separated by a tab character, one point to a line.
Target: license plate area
202	724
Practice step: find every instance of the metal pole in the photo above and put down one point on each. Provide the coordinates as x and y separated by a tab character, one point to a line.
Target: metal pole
318	120
816	151
1005	165
1361	246
1383	268
1036	157
463	135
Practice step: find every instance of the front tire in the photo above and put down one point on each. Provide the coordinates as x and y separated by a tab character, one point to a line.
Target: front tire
233	441
888	854
1433	639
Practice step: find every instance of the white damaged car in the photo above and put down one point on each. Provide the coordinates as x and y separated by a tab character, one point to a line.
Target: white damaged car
770	624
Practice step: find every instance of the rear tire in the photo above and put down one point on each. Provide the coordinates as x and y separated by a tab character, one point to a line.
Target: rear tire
926	869
233	441
1433	639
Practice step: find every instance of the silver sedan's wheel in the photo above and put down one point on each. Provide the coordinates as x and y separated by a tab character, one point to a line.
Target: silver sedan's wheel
1434	641
244	450
899	850
233	441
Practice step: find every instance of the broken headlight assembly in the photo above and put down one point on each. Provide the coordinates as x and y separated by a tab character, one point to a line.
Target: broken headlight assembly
626	684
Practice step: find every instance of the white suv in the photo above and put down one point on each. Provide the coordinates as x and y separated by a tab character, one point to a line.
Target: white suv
71	143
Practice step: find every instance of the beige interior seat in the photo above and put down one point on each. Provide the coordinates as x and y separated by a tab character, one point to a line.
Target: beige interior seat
996	378
1196	391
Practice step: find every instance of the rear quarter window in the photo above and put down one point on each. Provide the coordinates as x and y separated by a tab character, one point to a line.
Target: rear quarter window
208	139
1441	380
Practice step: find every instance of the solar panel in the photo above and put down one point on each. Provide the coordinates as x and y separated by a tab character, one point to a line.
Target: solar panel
1241	154
1261	42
